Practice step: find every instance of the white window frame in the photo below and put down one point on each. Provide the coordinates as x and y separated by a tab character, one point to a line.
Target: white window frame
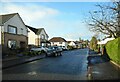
12	42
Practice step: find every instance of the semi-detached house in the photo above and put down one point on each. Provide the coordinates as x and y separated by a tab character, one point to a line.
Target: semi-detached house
37	36
14	33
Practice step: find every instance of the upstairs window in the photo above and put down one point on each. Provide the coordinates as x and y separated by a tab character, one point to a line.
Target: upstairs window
42	37
12	29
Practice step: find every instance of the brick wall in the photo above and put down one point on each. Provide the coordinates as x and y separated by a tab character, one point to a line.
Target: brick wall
17	38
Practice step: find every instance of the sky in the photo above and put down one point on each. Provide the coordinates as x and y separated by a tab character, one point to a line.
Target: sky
59	19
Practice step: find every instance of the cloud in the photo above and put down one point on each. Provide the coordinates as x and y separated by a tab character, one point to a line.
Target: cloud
56	23
29	12
72	36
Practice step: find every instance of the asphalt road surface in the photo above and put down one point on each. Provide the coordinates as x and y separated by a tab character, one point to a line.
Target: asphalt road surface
72	65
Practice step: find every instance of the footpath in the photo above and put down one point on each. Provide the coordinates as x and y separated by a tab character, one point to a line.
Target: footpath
13	61
100	67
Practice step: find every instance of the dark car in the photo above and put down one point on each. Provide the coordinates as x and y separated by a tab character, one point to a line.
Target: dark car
51	51
58	50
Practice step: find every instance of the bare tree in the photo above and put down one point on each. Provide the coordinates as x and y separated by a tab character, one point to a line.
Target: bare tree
106	20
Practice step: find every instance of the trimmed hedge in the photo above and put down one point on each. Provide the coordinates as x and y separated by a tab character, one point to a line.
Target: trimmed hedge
113	50
32	53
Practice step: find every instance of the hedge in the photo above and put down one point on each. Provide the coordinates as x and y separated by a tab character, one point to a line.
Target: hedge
113	50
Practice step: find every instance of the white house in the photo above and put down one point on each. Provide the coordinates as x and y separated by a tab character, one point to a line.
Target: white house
14	33
72	43
58	41
37	36
105	40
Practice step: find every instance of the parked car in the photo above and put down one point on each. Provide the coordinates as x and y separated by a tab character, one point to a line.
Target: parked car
44	49
63	48
58	50
49	51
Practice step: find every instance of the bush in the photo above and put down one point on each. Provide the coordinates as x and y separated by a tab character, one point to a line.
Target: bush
30	53
26	53
70	47
113	50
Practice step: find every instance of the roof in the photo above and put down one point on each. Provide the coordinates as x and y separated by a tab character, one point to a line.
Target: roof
45	41
37	31
68	41
57	39
6	17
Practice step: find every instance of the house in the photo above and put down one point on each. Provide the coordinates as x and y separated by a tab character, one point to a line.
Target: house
78	44
105	41
37	36
102	43
72	43
14	33
58	41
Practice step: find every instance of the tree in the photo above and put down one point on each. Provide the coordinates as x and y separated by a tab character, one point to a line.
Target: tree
106	19
93	43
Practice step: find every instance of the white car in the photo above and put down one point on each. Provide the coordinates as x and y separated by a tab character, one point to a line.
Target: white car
39	49
47	51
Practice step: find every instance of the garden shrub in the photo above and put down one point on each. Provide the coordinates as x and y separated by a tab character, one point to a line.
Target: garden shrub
70	47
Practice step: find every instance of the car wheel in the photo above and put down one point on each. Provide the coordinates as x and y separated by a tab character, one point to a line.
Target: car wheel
56	54
60	54
44	53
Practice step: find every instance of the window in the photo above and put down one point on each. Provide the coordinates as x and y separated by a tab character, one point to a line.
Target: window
12	44
12	29
42	36
60	42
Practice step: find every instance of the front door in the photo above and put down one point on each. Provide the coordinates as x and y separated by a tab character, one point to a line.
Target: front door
22	45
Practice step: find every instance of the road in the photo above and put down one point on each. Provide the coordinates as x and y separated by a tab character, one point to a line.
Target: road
72	65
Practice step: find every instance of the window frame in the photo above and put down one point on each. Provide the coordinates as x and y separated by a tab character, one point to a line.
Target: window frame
12	27
42	36
11	41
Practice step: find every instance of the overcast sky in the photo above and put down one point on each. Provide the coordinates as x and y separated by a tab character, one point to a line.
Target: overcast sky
60	19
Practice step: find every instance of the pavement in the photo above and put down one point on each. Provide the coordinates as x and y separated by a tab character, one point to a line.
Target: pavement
100	67
15	60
